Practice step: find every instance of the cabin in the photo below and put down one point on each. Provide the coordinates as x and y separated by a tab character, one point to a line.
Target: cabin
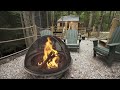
68	22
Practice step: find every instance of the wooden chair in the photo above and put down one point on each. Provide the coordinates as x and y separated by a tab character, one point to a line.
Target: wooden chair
114	24
112	50
72	40
46	32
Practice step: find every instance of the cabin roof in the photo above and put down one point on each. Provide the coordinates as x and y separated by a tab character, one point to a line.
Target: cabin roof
69	18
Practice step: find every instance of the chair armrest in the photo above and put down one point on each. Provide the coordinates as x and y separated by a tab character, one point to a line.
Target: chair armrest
79	40
112	48
113	44
63	40
95	43
104	38
66	41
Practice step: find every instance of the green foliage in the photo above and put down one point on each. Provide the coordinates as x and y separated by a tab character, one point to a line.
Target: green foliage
85	17
10	19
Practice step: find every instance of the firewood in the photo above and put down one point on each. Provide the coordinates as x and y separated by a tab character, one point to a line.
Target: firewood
50	56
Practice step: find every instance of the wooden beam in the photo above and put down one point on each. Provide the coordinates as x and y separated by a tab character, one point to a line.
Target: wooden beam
21	17
34	28
26	17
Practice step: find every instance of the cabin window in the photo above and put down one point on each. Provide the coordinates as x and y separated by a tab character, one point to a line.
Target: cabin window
67	25
79	24
62	23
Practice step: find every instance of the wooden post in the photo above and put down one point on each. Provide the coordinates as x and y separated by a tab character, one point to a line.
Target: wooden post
62	19
47	19
21	17
34	27
26	17
100	23
40	18
52	20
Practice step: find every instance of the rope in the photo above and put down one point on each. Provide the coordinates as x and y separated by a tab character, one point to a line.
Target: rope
43	28
15	28
17	39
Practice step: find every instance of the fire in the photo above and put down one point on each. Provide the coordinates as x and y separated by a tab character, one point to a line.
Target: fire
48	49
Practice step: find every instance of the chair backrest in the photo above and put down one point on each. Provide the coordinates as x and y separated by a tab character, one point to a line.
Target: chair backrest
116	38
45	32
72	36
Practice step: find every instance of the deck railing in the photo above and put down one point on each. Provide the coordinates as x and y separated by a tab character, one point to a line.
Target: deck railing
29	28
13	40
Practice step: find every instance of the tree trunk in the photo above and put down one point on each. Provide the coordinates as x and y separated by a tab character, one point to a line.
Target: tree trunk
47	18
52	20
109	20
21	16
114	24
100	22
34	26
90	23
90	19
110	15
62	19
26	17
40	18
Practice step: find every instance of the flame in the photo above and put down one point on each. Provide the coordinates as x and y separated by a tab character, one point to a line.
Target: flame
47	50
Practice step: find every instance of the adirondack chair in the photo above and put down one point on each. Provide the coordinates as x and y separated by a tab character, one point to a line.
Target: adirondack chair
45	32
106	37
72	40
112	51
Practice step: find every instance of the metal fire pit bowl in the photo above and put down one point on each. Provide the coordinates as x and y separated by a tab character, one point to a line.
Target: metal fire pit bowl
35	53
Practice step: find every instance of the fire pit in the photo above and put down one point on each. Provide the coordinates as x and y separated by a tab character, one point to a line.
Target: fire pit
48	57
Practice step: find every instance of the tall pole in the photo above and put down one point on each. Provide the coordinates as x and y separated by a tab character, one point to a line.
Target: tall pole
34	26
47	18
52	19
40	17
21	17
26	17
62	19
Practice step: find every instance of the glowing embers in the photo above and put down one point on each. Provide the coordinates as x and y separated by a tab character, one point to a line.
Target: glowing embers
50	57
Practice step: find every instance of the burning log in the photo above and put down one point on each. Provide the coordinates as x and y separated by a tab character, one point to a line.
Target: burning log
50	56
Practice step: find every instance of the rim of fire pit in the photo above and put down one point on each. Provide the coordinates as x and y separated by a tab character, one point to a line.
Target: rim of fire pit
49	74
52	74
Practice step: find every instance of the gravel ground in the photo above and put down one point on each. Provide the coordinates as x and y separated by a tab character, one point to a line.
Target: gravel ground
84	66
